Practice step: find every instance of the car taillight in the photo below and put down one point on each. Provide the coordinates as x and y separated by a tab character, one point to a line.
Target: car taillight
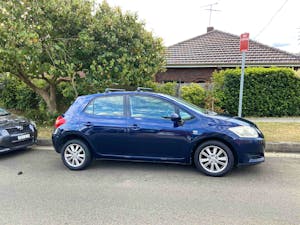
59	121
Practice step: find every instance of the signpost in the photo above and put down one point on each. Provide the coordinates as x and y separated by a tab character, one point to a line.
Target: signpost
244	47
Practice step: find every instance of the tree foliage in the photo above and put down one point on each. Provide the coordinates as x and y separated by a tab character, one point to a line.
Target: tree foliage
47	42
126	54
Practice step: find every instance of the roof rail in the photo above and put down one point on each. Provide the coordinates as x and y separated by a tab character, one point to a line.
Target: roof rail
107	90
143	89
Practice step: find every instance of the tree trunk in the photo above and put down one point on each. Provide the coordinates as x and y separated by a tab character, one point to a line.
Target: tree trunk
52	105
49	95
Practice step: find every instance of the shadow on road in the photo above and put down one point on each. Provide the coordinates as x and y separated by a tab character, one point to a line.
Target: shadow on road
139	166
103	165
15	153
50	161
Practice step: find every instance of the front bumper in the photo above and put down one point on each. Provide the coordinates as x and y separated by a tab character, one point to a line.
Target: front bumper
10	142
13	148
250	151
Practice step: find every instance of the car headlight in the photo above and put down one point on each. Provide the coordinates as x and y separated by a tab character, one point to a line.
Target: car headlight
4	132
244	131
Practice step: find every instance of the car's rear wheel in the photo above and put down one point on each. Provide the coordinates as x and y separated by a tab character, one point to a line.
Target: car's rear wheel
214	158
76	155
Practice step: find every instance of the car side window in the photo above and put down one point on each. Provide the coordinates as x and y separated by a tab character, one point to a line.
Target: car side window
150	107
106	106
185	115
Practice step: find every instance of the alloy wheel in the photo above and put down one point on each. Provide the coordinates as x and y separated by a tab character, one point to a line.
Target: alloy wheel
74	155
213	159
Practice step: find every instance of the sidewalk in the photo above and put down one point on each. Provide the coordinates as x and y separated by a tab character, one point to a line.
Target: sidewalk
280	147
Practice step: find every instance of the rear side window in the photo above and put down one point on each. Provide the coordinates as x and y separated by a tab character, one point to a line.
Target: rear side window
106	106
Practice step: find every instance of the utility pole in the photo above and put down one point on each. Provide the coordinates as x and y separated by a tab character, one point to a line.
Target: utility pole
209	8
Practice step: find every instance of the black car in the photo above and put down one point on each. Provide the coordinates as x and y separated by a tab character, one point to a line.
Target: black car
15	132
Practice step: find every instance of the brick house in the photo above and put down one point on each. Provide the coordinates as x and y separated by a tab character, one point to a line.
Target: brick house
195	60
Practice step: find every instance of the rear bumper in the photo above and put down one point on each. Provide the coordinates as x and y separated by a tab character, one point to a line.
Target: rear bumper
56	140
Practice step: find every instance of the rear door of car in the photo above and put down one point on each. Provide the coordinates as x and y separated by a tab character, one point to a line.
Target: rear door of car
106	124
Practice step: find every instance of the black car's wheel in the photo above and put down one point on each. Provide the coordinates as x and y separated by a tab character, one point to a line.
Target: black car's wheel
214	158
76	155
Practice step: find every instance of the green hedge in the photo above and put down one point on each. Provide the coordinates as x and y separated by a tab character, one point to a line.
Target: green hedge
16	95
194	93
267	91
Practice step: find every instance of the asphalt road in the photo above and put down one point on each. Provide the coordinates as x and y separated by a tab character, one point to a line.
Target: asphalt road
142	193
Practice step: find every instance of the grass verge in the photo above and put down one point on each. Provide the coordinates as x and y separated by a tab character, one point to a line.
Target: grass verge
45	132
280	132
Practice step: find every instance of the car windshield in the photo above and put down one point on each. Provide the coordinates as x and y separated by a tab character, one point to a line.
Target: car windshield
192	106
3	112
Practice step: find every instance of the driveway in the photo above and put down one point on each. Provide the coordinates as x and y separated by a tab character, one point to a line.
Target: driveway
45	192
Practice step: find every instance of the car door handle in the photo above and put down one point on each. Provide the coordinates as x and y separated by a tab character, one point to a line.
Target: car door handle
135	127
88	124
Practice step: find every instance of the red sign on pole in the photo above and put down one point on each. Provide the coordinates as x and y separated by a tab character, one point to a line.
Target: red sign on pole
244	42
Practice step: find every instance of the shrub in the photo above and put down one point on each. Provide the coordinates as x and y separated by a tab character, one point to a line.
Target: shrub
20	99
16	95
211	100
194	93
169	88
267	91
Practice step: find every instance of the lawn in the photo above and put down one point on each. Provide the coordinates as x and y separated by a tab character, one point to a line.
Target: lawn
280	132
45	131
274	132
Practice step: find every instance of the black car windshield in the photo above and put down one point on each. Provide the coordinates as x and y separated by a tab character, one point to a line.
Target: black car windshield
192	106
3	112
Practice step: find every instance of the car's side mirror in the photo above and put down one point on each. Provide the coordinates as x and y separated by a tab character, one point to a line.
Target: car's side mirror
176	120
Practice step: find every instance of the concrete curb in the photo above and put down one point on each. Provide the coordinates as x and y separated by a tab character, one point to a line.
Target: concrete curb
44	142
290	147
283	147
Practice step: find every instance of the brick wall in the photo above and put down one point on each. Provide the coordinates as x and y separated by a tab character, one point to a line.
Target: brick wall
186	75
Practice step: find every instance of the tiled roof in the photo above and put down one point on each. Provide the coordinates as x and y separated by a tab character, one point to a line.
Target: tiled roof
217	48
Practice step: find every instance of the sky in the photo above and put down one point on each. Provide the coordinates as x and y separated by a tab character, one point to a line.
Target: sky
272	22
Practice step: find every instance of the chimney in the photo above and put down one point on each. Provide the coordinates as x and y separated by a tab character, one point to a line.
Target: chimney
209	29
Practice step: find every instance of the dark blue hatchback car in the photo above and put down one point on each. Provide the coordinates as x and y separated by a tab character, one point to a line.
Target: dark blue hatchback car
146	126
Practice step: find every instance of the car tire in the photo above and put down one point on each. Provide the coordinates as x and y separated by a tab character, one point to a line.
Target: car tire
214	158
76	155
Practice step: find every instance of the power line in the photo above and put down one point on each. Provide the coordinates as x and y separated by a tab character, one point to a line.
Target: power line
271	20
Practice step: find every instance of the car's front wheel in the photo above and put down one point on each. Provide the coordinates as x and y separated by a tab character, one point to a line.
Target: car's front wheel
76	155
214	158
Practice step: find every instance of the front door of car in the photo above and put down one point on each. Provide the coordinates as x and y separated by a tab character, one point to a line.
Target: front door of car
106	125
152	134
